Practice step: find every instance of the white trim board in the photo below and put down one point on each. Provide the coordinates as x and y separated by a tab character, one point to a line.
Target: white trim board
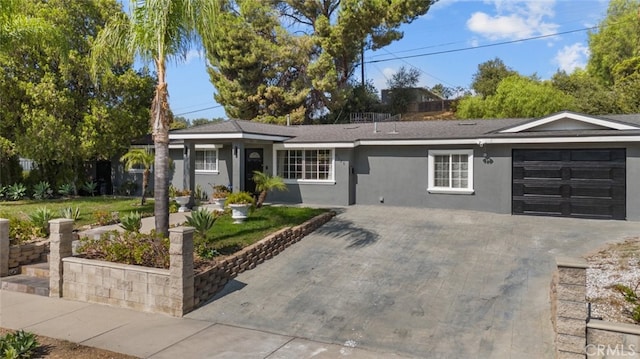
563	116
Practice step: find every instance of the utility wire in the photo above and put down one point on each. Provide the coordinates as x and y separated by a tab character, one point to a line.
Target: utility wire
481	46
200	110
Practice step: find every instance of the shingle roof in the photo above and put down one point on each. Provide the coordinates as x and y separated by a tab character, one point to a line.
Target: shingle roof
409	130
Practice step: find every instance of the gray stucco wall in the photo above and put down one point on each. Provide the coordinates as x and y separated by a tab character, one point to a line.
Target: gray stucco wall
321	193
394	175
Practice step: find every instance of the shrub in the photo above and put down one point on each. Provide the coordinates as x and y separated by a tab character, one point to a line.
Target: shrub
202	220
200	194
103	218
42	190
16	345
240	198
21	230
131	222
173	206
41	217
3	192
149	250
65	189
71	213
630	296
16	191
90	187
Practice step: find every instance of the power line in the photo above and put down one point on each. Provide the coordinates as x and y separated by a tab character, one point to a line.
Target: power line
200	110
482	46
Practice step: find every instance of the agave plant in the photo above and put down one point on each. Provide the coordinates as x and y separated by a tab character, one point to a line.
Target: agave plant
41	217
71	213
131	222
42	190
202	220
90	187
65	189
16	191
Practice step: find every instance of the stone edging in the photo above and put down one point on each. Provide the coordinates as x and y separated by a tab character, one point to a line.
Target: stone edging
209	283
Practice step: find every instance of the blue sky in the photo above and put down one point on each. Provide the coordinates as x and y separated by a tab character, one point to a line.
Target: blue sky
434	40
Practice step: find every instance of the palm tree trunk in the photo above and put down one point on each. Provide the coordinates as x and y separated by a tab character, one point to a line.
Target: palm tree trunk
160	124
261	198
145	184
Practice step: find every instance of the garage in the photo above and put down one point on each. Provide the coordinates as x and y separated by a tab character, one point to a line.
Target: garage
583	183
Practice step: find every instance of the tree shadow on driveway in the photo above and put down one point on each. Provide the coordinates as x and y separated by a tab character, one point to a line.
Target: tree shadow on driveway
356	236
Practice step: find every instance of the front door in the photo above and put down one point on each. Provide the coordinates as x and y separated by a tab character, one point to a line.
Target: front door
252	162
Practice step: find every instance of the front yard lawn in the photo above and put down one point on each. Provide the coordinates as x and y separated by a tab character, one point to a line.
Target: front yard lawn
90	207
227	237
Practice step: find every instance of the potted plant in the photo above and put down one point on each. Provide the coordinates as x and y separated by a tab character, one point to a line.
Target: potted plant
219	195
240	203
182	197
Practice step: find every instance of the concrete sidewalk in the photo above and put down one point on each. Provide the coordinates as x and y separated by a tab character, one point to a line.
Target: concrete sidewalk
148	335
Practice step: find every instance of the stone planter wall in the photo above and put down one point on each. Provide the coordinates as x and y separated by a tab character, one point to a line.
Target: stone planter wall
578	336
209	283
12	257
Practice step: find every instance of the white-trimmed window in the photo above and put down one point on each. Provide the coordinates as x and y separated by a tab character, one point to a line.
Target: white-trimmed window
305	164
451	171
206	159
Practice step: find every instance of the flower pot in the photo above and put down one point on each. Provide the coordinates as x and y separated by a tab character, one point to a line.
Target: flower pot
220	202
239	212
183	201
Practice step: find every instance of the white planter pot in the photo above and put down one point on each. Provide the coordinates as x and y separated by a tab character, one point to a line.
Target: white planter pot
239	212
183	201
219	202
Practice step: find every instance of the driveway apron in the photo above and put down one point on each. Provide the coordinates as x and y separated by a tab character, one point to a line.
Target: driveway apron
417	282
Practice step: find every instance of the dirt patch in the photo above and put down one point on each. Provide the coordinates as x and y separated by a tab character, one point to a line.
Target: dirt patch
617	263
62	349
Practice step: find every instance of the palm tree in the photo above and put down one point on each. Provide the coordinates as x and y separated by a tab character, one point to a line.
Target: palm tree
139	157
265	183
155	31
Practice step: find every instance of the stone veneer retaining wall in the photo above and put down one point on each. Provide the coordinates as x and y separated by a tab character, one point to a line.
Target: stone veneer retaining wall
577	336
12	257
208	283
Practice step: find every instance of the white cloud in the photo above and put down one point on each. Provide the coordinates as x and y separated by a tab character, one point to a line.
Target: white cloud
514	20
193	55
381	76
572	57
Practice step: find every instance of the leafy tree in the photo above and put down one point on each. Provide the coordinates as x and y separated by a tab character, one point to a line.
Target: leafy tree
442	91
179	123
265	183
617	40
203	121
18	27
590	95
402	89
263	69
517	96
139	157
489	75
50	109
155	31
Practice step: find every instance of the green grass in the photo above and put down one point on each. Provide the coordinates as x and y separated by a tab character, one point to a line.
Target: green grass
227	237
89	206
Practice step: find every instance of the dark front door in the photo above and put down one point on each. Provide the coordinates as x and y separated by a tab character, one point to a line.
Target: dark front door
586	183
252	162
103	177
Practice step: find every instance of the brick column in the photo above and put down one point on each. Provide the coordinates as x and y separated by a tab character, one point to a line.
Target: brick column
571	312
60	241
181	278
4	247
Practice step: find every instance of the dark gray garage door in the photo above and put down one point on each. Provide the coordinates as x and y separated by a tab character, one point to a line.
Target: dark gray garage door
587	183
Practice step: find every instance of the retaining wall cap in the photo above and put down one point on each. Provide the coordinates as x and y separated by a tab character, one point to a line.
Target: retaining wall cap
571	262
130	267
624	328
182	229
4	220
61	220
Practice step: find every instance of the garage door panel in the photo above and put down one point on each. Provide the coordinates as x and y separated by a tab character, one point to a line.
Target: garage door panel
570	183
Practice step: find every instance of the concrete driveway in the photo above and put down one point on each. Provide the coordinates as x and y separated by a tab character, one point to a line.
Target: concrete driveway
416	282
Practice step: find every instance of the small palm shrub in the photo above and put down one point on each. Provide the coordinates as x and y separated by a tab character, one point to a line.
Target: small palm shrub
65	189
16	191
71	213
18	345
41	217
131	222
149	250
202	220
